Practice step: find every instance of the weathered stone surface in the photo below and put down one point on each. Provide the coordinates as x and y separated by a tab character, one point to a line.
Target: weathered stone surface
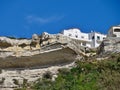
15	45
23	47
71	43
35	41
42	59
40	51
110	45
30	75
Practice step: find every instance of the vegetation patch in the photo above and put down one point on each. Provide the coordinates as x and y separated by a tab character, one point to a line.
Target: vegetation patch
47	75
15	81
94	75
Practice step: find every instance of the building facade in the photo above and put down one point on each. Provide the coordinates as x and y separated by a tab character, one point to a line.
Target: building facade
96	39
114	31
91	40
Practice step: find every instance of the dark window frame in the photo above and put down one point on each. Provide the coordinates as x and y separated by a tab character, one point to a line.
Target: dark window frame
98	37
93	37
76	36
116	30
82	36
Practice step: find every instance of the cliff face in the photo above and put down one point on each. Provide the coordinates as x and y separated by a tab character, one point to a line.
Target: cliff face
23	59
8	44
59	38
13	78
25	47
40	51
109	45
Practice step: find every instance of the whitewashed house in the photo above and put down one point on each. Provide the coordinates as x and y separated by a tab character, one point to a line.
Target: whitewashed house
91	40
114	31
96	39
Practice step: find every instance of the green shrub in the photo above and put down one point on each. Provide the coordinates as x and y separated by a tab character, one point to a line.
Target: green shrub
15	81
97	75
47	75
64	70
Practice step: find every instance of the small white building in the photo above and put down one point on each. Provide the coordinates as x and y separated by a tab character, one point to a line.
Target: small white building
114	31
96	38
91	40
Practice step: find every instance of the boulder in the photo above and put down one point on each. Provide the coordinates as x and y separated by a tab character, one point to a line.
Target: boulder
35	41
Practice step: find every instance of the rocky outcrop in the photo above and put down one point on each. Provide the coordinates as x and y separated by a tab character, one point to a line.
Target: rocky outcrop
16	45
109	45
35	41
40	59
59	38
12	42
21	47
13	78
21	60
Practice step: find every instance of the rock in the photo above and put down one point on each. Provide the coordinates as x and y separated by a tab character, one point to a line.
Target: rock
28	75
35	42
74	44
35	38
31	54
109	45
18	47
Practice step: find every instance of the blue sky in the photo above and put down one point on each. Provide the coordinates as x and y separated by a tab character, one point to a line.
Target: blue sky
22	18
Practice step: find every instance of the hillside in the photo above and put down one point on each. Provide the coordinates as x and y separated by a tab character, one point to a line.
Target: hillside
26	60
94	75
57	62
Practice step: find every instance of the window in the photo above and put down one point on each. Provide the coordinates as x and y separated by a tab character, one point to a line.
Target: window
76	36
70	34
98	37
93	37
116	30
82	36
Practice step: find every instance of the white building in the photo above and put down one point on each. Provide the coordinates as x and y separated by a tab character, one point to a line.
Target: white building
96	38
91	40
114	31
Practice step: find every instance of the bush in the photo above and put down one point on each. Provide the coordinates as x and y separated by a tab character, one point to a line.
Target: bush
15	81
101	75
47	75
64	71
25	83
